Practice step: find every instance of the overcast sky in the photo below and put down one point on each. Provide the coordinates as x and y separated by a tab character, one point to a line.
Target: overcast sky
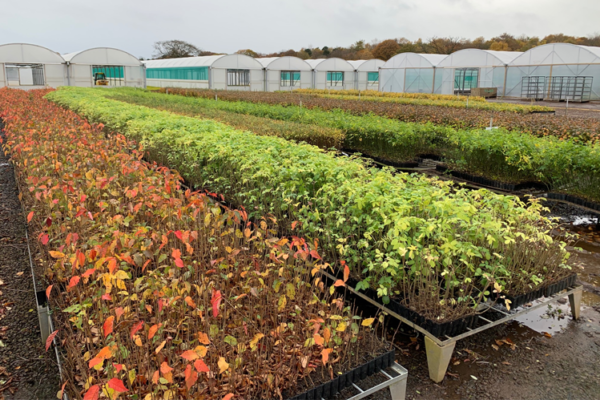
272	25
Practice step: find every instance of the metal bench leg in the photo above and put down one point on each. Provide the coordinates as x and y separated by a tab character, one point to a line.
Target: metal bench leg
438	359
575	301
398	390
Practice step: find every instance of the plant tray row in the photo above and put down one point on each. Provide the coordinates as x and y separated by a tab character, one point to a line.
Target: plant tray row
575	200
490	182
333	387
407	164
547	291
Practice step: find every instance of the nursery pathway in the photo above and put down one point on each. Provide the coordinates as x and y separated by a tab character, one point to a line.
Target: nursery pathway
26	370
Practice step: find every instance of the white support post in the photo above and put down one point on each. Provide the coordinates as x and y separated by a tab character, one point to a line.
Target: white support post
438	359
575	302
398	390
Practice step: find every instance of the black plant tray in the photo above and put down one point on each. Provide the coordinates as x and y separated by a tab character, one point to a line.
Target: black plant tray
575	200
407	164
544	291
329	389
543	112
450	328
490	182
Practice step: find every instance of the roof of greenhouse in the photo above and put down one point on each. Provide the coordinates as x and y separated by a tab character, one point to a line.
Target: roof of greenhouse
330	64
367	65
240	61
414	60
284	63
102	56
479	58
28	54
559	53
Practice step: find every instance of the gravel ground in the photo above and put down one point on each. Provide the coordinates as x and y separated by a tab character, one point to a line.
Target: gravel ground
26	370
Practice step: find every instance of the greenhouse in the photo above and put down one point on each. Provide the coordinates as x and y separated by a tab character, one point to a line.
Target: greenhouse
29	66
332	73
225	72
286	73
466	69
556	71
409	73
366	75
104	66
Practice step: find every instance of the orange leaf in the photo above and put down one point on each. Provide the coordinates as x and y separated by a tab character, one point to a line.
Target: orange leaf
215	301
92	393
48	290
152	331
190	302
119	311
326	334
108	326
62	389
346	273
191	377
73	282
201	366
95	361
339	283
29	216
160	347
228	396
112	265
50	339
164	368
56	254
318	339
325	355
203	337
155	377
189	355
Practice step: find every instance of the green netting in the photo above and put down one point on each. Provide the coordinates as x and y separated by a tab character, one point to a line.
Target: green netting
373	76
111	71
181	73
285	78
335	78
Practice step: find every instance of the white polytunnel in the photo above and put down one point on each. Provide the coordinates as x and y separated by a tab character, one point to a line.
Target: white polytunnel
366	73
555	71
332	73
104	66
466	69
223	72
286	73
409	73
29	66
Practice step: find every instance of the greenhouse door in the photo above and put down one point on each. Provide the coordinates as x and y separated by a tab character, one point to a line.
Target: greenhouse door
465	79
25	75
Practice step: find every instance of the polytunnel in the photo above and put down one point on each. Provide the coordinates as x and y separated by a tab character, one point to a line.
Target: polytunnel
286	73
29	66
104	66
409	73
466	69
555	71
224	72
332	73
366	73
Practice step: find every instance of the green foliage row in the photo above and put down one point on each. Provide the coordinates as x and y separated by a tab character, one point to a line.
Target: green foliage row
438	247
508	156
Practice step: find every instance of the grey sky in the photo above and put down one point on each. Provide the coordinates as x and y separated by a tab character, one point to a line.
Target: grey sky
270	25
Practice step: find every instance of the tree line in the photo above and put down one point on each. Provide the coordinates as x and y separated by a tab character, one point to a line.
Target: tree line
386	49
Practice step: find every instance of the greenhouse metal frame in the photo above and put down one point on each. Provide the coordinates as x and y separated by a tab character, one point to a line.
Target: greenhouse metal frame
84	68
555	71
29	66
286	73
366	73
220	72
409	73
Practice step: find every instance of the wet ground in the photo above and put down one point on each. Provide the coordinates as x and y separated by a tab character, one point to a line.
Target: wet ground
27	371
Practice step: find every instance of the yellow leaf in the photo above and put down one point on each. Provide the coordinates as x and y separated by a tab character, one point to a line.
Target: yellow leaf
255	340
138	341
131	376
507	303
201	351
341	327
121	275
368	322
282	303
223	365
57	254
160	347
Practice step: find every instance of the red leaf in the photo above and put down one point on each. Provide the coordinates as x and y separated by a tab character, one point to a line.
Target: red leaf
92	393
48	290
89	272
117	384
106	297
314	254
119	311
73	282
50	339
29	216
215	301
108	326
118	367
201	366
179	235
95	361
179	262
136	328
45	239
190	377
48	221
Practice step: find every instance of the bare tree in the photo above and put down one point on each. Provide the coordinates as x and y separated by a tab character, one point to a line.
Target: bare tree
175	49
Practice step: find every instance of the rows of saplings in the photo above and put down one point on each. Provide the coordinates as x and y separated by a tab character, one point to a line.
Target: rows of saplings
507	156
418	241
580	129
160	293
476	103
